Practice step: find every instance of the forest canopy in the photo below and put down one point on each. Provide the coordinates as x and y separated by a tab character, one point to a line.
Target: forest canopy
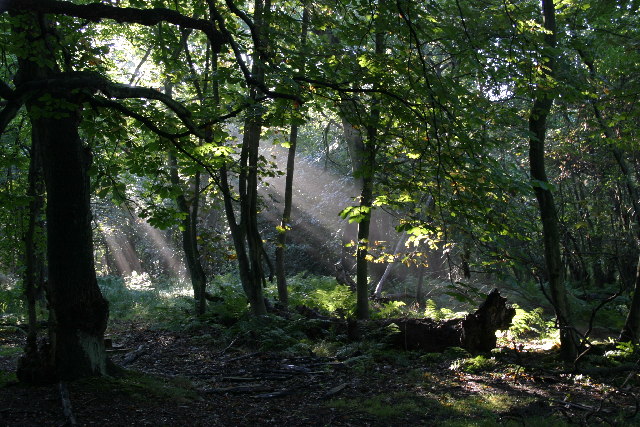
245	154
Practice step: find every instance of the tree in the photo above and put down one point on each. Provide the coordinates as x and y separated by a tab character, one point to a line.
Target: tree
53	99
551	236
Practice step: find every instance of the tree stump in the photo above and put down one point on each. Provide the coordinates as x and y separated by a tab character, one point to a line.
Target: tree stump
476	332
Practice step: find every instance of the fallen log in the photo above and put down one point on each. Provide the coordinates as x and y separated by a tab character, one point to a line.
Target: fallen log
476	332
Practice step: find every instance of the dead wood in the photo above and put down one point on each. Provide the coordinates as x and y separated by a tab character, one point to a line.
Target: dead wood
476	332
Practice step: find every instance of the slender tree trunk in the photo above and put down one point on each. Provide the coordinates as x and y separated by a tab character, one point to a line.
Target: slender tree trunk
283	294
245	233
548	215
631	329
420	287
190	236
190	208
366	202
362	263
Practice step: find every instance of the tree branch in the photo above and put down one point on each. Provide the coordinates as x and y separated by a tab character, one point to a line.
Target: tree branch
7	114
5	91
249	78
98	11
96	82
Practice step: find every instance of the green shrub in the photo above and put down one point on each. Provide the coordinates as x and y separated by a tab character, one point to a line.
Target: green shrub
529	324
12	302
473	365
322	293
390	309
432	311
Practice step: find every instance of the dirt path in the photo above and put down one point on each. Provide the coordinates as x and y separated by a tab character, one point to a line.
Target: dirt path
177	378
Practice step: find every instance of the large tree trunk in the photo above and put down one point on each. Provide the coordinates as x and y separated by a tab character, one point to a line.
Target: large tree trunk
548	215
78	311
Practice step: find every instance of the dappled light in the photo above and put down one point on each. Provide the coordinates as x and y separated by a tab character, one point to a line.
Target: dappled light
354	213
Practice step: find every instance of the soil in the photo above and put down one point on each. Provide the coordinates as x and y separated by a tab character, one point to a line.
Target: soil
188	378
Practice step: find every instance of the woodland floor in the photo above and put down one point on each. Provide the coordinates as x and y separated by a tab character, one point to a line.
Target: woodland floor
179	378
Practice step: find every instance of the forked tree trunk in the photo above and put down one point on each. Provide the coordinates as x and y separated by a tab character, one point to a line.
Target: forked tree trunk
190	237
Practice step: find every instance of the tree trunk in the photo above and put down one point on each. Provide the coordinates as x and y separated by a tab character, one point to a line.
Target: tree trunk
387	270
367	172
245	233
631	329
420	288
551	236
78	311
190	226
190	236
283	294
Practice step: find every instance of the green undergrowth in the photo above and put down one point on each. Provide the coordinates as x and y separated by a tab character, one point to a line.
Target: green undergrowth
7	378
141	387
12	305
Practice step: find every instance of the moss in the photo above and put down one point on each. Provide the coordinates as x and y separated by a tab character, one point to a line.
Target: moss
142	387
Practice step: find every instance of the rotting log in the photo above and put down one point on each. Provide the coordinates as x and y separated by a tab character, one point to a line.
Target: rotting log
476	332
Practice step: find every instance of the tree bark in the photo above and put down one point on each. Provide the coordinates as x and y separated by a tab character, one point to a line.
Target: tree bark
245	233
367	172
548	215
78	311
